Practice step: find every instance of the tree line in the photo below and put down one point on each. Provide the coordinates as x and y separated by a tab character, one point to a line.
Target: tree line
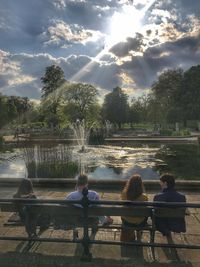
174	97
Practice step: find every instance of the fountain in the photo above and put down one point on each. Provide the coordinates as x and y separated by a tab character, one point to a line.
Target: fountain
81	134
103	161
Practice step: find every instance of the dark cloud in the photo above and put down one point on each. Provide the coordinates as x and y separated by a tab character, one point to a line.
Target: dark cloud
132	44
29	32
145	69
188	7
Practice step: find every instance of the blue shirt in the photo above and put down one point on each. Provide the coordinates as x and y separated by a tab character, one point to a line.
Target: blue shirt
77	195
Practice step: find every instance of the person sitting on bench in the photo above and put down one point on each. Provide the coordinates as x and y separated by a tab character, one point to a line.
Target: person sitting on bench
133	191
82	184
169	194
25	191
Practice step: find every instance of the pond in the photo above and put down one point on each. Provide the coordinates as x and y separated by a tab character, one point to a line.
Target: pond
116	162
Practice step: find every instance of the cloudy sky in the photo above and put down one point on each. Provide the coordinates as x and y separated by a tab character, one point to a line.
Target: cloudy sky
107	43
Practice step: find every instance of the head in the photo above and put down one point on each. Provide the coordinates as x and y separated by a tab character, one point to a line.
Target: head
82	181
167	180
134	187
25	187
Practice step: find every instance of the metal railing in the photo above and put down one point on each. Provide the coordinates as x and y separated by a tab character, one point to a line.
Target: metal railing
85	205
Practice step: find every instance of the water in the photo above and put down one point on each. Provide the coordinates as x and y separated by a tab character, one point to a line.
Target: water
12	164
116	162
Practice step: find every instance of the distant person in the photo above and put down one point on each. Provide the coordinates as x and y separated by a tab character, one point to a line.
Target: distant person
133	191
169	194
82	184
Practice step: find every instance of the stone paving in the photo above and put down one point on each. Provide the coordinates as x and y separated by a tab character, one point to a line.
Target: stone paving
17	253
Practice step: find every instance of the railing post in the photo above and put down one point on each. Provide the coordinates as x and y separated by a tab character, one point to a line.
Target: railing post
87	256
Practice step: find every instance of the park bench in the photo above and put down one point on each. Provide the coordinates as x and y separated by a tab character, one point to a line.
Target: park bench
83	214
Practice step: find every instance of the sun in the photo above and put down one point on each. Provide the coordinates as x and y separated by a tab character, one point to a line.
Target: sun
124	24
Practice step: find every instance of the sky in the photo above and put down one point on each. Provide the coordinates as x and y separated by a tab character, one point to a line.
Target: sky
106	43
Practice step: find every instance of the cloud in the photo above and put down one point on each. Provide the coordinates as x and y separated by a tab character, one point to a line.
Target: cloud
60	4
60	33
123	49
72	33
144	69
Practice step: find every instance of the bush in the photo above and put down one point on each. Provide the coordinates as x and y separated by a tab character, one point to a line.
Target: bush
166	132
52	170
181	133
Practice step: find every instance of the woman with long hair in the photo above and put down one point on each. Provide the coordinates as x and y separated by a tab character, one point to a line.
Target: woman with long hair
25	189
133	191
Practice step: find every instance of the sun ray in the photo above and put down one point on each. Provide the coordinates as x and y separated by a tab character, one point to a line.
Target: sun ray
125	18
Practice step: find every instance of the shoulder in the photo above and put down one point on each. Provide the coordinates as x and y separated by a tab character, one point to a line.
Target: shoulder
93	194
159	196
181	196
73	195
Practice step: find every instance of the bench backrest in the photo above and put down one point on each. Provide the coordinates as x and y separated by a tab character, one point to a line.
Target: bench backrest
98	210
169	212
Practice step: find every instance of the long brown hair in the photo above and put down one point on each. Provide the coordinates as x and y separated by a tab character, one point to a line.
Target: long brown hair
134	187
25	188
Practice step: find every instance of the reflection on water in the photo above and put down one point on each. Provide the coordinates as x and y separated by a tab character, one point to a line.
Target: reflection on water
13	169
115	162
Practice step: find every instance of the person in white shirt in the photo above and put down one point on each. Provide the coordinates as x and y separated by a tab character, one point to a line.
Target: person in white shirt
82	183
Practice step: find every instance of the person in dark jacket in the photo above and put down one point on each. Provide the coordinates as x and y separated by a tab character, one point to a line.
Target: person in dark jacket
169	194
25	191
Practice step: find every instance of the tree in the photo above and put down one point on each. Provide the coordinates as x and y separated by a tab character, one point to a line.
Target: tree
80	97
190	94
3	111
115	107
166	92
52	80
12	109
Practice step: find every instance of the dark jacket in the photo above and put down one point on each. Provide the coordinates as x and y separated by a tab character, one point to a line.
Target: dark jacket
166	225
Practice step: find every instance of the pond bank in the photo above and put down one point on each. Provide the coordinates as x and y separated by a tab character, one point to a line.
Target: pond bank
113	185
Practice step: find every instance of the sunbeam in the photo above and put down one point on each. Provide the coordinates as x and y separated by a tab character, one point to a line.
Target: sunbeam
121	27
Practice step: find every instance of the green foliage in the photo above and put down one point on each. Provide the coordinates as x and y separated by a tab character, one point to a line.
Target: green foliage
190	97
176	96
184	132
34	125
52	162
182	160
52	170
3	110
52	80
166	93
166	132
81	98
138	111
12	108
115	107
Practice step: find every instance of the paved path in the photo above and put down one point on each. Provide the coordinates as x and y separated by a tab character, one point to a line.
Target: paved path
16	254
